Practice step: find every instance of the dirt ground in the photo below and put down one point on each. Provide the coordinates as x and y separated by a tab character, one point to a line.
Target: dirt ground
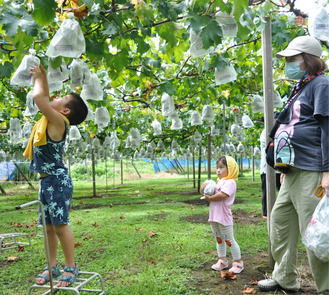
208	281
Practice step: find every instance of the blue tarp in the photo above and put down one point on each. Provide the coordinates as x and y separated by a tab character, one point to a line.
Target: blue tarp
7	170
161	164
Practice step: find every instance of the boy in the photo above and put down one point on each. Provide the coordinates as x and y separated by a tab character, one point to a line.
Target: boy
45	149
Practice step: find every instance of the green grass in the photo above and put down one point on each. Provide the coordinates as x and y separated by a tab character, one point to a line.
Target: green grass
113	234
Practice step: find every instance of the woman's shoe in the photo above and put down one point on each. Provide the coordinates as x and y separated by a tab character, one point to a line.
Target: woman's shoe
55	272
268	285
220	265
70	279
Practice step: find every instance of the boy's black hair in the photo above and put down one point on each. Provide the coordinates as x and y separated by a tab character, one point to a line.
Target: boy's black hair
78	107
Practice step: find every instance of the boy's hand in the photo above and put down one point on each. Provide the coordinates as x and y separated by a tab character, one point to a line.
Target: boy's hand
36	72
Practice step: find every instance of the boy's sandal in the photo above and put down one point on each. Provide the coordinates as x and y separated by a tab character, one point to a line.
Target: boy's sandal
70	279
55	271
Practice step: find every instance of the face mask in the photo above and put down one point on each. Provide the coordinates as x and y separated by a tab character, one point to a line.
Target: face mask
293	70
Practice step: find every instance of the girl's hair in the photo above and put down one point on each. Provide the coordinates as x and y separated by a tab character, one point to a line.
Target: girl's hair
223	160
313	64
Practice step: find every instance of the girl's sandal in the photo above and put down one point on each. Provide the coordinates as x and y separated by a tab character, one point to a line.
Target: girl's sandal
70	279
55	271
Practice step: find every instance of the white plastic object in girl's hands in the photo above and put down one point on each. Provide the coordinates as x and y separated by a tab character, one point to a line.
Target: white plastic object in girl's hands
210	187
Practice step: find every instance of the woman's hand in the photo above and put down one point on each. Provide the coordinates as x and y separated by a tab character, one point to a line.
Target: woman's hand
325	183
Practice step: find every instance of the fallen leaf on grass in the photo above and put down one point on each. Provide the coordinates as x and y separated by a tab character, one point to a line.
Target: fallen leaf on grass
20	248
211	252
95	224
248	291
12	258
253	282
122	217
151	234
77	244
225	274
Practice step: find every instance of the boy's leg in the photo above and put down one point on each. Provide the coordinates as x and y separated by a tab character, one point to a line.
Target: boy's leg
52	244
45	199
66	239
60	189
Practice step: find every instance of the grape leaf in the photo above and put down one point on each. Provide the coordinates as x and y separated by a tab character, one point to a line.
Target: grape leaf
6	69
44	11
211	34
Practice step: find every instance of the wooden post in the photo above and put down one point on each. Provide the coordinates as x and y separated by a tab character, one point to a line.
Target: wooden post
224	129
269	119
209	155
21	172
253	164
132	163
121	171
156	163
2	190
193	163
199	172
165	166
188	168
94	170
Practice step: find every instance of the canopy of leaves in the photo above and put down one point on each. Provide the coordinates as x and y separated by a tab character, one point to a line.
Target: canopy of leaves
140	49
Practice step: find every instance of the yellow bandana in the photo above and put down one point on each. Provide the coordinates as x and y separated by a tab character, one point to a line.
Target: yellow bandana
232	168
38	136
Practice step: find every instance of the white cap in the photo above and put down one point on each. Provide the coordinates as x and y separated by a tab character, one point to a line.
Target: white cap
302	44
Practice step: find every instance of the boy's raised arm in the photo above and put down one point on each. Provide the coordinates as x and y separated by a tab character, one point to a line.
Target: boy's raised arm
41	96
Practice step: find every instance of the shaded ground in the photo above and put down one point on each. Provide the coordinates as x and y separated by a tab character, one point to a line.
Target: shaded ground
208	281
204	279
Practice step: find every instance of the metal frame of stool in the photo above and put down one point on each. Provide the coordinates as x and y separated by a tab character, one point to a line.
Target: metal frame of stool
79	283
15	243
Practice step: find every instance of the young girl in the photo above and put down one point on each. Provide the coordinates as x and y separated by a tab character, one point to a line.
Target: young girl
220	214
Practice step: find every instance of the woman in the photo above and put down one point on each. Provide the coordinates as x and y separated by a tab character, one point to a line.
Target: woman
302	153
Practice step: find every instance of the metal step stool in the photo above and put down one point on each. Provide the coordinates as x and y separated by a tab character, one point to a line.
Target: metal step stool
83	278
80	283
13	240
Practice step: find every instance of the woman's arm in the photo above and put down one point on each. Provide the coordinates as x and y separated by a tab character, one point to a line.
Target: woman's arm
324	123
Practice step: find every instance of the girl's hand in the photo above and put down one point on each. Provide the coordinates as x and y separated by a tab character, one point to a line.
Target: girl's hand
207	198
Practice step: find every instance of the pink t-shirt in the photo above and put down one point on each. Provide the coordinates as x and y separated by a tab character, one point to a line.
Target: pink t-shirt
220	211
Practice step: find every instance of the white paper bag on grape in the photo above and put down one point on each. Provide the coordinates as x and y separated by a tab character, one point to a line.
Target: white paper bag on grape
93	90
68	40
31	108
80	73
226	75
22	76
56	76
